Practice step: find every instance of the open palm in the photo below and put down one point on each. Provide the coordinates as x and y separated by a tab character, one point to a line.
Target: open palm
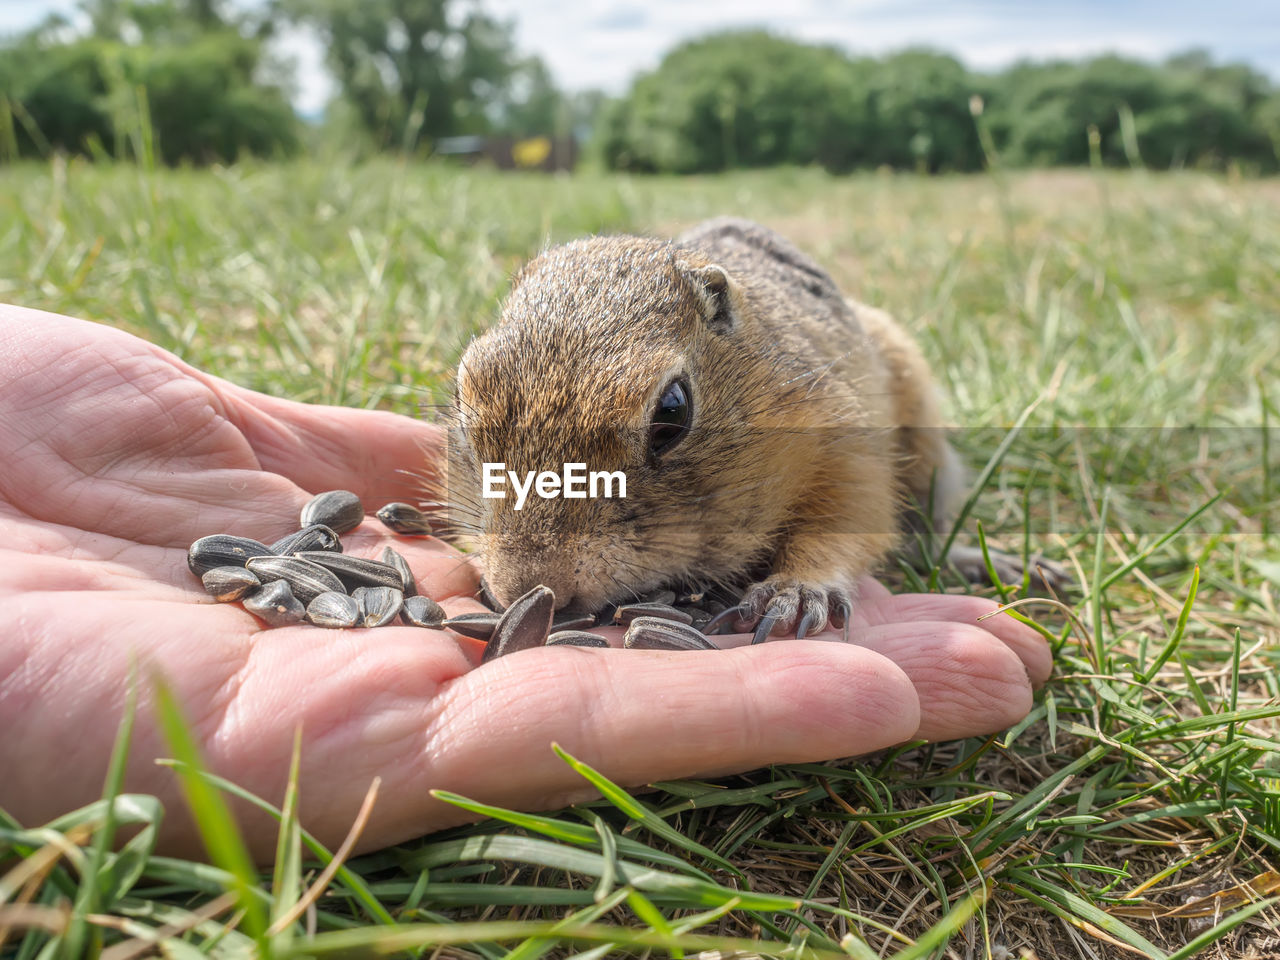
115	455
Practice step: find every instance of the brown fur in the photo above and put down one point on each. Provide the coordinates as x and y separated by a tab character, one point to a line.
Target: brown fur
813	421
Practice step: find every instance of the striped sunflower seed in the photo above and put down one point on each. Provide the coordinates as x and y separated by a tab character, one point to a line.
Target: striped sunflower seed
652	633
422	612
356	571
307	580
331	609
378	605
315	537
478	626
575	638
626	614
223	550
339	510
404	518
407	582
697	616
524	624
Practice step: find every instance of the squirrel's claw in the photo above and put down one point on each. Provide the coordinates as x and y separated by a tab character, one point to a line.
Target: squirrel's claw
784	605
763	629
807	623
779	606
841	611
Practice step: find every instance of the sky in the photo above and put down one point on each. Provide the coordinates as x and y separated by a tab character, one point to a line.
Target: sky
604	43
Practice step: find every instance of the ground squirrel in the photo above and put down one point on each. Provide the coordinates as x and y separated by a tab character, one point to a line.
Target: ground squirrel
774	434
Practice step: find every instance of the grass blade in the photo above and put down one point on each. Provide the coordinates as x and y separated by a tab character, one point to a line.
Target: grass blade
212	816
639	812
1175	638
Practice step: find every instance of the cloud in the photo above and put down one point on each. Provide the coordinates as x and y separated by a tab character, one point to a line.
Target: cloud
18	16
622	18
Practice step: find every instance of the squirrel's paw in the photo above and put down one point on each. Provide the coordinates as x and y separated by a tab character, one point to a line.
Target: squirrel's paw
782	604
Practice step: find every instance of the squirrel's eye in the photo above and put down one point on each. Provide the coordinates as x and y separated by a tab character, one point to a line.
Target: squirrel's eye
670	418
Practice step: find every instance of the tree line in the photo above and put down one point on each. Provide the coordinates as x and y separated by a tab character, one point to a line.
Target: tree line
751	99
193	81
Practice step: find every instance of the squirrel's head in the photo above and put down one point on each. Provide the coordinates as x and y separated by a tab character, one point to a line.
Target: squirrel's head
617	361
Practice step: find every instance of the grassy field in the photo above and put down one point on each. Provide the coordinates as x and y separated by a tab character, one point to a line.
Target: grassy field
1126	321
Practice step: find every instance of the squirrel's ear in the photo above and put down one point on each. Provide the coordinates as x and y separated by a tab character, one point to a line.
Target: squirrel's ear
721	297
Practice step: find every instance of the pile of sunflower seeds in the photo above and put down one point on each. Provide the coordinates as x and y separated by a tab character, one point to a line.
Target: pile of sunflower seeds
306	577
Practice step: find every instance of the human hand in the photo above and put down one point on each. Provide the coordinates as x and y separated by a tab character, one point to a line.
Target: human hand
115	455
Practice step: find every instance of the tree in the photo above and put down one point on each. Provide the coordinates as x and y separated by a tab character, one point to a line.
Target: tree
920	109
446	59
1185	112
711	105
59	95
197	69
755	99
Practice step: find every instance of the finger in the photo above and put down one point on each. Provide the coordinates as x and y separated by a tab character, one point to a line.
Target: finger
112	435
380	456
640	716
968	681
409	709
1026	643
877	606
117	436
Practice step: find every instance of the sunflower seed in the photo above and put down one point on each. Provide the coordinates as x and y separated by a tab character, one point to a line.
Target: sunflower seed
331	609
404	518
378	605
339	510
629	612
478	626
575	638
315	537
524	624
573	623
651	633
422	612
698	616
229	583
307	580
355	571
661	596
223	550
276	604
407	583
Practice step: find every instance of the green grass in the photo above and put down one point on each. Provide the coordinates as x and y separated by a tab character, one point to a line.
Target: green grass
1129	320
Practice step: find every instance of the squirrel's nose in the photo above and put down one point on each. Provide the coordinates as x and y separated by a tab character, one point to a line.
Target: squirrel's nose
503	591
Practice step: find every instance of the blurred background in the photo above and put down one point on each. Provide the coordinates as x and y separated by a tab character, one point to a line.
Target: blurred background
653	87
